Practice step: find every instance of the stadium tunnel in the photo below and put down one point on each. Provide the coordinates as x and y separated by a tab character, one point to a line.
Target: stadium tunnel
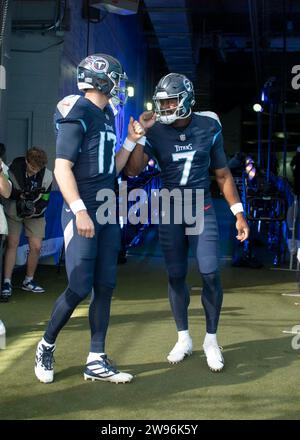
238	54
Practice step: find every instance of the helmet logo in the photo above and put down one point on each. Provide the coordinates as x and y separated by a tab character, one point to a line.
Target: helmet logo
98	65
188	85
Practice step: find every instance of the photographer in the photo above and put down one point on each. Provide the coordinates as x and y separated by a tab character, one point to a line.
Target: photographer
31	186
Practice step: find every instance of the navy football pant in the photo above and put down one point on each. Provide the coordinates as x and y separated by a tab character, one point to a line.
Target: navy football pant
205	247
91	265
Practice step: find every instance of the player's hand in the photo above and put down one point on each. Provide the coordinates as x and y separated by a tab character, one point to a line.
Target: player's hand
242	228
84	224
135	130
147	119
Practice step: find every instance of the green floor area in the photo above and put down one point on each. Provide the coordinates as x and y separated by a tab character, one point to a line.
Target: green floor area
261	375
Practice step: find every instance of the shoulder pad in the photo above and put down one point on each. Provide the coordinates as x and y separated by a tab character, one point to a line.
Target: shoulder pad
209	115
67	104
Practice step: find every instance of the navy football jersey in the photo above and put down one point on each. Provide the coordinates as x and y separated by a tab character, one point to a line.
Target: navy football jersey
185	155
86	137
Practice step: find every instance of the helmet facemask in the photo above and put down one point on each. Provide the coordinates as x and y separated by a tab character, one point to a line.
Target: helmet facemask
178	87
171	114
118	93
105	74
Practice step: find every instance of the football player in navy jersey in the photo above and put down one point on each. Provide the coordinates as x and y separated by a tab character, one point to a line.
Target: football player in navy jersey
86	163
186	144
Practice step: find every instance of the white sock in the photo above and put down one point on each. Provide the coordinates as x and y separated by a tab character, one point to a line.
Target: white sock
183	335
7	280
28	279
46	343
93	357
210	338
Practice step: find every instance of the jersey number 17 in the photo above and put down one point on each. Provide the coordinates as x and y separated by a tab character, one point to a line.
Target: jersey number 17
106	152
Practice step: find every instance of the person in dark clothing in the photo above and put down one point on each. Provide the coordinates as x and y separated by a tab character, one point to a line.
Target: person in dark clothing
186	145
26	206
86	163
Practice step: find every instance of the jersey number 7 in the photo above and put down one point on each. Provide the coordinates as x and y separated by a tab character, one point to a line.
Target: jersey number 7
188	156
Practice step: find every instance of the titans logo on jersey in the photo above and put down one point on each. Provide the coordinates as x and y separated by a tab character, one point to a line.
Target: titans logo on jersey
185	155
86	137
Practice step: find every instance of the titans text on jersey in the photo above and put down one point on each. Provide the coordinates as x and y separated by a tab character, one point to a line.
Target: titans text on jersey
185	154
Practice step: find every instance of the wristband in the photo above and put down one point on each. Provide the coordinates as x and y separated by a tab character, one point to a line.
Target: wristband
77	206
129	145
236	208
142	141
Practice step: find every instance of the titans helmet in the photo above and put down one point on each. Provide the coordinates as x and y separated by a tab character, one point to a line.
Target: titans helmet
105	74
174	86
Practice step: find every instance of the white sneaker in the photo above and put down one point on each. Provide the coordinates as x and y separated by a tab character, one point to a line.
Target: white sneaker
180	351
214	357
102	369
31	286
44	360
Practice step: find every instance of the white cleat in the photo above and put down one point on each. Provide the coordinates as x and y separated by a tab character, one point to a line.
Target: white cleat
214	357
180	351
102	369
44	360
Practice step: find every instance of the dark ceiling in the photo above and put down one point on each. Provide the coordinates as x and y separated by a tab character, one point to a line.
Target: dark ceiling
230	48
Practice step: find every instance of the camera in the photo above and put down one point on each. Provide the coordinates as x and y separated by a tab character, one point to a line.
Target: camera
25	208
26	202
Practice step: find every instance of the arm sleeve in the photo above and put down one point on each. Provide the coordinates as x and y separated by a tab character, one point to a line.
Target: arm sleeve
149	150
69	140
217	153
